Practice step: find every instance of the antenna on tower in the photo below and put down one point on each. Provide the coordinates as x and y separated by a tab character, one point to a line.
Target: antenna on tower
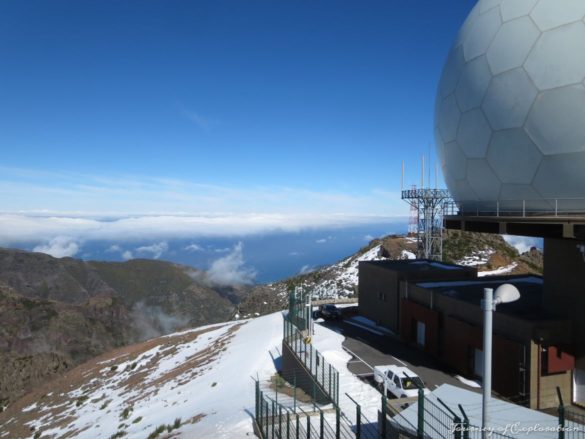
422	174
430	183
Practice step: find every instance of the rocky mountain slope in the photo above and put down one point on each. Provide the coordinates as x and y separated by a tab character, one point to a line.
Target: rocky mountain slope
57	313
193	383
198	383
491	254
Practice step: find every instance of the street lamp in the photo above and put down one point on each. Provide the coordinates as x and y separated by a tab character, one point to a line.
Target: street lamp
505	293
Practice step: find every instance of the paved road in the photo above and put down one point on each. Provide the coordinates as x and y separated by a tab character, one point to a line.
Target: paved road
370	349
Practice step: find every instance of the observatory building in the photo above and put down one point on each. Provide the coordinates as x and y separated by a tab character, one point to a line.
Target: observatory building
510	134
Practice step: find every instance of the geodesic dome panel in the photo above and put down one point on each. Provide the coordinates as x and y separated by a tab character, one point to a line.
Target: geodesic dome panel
510	110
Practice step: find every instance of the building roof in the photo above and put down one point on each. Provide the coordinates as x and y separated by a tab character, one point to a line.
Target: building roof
529	306
503	414
415	265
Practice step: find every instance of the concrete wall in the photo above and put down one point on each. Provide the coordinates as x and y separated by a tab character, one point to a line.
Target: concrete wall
378	295
292	365
564	288
462	338
379	289
410	314
543	388
461	332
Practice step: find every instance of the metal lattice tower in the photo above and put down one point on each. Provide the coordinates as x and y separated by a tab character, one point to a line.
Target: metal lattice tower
430	205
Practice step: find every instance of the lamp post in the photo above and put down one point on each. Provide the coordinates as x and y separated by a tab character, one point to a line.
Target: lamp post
505	293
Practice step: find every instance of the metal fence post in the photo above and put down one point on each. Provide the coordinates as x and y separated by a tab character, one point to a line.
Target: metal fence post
383	417
358	418
279	421
257	398
295	390
287	425
337	423
561	415
465	423
298	426
420	431
321	421
266	423
330	380
260	419
337	387
273	413
457	425
308	426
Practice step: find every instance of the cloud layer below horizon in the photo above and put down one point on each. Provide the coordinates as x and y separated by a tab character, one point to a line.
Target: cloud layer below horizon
16	228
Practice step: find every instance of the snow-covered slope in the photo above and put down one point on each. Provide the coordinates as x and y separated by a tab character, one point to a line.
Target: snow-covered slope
340	280
195	383
191	384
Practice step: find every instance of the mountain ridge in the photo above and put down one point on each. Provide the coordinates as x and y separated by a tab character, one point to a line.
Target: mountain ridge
58	313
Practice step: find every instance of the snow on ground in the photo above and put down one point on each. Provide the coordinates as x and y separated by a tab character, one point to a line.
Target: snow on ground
368	325
407	255
479	257
498	271
345	275
202	377
467	382
329	344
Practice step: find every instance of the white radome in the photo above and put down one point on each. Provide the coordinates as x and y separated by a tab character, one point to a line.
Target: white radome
510	108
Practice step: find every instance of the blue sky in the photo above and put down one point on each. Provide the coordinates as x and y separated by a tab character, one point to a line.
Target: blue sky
247	111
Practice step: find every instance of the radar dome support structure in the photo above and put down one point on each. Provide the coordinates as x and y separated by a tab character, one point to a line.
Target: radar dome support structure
430	206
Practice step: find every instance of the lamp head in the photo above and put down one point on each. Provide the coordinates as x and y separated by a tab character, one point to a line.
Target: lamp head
506	293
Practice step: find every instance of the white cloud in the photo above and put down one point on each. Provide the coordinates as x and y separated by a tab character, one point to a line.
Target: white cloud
155	250
125	254
231	269
324	240
523	243
114	249
24	190
59	247
194	248
27	227
368	238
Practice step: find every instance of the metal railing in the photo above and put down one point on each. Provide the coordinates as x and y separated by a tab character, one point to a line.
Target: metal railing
521	207
571	420
277	420
324	374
